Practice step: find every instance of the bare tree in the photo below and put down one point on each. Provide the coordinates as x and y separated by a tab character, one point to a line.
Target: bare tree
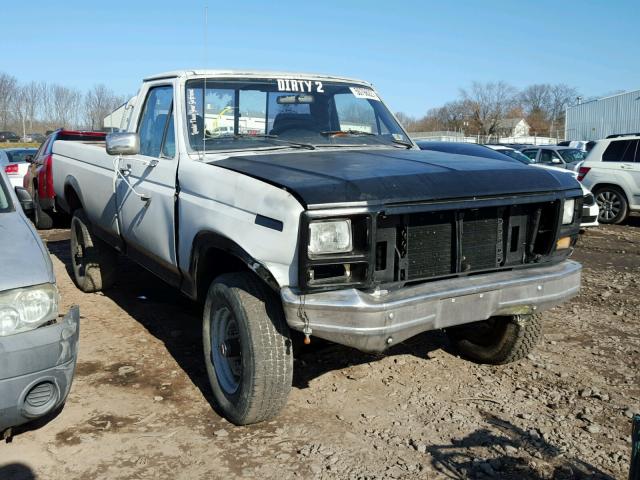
488	104
8	87
562	95
98	103
406	121
19	107
32	97
63	106
536	98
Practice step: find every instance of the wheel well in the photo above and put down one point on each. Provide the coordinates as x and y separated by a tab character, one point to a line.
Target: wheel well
72	198
610	185
212	263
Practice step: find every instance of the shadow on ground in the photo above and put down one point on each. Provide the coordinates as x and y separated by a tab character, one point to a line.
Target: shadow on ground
16	471
456	460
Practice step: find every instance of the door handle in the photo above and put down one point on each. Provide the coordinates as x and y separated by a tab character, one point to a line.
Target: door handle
626	166
151	163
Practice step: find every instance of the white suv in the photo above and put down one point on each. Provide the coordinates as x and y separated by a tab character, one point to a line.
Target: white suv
612	172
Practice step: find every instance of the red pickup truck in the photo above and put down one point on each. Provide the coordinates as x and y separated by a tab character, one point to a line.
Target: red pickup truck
39	178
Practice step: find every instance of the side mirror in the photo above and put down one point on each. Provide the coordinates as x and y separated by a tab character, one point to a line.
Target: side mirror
26	202
123	143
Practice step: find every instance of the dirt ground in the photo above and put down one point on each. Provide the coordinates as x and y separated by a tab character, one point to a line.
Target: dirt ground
140	405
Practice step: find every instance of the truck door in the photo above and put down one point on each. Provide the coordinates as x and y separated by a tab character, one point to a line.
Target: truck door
146	188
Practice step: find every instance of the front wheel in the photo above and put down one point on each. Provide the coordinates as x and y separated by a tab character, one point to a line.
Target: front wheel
247	349
498	340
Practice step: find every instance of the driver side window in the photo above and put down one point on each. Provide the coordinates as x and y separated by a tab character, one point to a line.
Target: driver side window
546	156
157	117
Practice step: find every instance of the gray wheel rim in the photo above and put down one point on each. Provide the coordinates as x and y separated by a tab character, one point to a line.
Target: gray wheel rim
226	353
609	203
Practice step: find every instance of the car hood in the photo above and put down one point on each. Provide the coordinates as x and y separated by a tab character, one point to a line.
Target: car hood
556	169
393	176
24	259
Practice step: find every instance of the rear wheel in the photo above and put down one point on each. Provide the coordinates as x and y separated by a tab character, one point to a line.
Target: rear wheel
247	348
41	219
93	261
498	340
612	203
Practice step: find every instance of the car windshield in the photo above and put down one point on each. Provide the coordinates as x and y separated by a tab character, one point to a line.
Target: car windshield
18	156
5	202
240	115
521	157
572	155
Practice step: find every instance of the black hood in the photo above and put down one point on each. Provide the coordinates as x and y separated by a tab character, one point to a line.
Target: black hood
394	176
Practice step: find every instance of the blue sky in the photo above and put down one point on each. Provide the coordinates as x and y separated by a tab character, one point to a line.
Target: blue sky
417	53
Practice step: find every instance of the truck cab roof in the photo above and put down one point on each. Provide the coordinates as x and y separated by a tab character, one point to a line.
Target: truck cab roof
249	73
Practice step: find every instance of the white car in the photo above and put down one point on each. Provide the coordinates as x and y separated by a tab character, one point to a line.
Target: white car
612	171
15	163
590	209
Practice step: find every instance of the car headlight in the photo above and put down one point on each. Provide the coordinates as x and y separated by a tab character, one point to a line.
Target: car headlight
24	309
588	200
567	213
332	236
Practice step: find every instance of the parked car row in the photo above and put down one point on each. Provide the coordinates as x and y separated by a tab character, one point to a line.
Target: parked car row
15	163
612	171
609	168
13	137
9	137
501	152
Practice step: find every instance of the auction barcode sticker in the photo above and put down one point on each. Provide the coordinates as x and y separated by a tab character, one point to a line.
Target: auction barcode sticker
362	92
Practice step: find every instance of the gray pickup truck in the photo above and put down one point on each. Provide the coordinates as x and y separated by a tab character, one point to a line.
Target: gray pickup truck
295	201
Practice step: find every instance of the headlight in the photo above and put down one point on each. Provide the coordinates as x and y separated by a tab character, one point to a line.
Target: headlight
330	237
588	200
567	213
24	309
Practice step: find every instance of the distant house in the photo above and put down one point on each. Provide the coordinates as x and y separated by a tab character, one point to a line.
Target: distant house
513	127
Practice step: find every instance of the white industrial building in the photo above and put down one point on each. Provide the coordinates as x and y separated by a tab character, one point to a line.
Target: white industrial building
605	116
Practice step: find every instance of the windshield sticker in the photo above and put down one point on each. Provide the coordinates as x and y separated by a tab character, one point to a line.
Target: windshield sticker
192	111
366	93
304	86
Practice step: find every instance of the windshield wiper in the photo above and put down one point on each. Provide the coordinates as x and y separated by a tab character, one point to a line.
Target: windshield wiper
330	133
402	142
276	139
368	134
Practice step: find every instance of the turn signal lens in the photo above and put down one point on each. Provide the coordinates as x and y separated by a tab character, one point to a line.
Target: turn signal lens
563	243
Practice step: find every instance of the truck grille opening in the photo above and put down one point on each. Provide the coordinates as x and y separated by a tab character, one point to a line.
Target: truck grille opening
441	244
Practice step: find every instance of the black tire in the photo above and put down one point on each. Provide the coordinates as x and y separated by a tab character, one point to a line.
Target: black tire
612	204
498	340
93	261
41	219
250	365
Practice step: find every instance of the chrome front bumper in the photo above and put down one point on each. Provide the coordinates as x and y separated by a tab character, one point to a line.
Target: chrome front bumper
374	321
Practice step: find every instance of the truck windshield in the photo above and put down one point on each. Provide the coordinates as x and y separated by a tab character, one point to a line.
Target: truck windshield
246	114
